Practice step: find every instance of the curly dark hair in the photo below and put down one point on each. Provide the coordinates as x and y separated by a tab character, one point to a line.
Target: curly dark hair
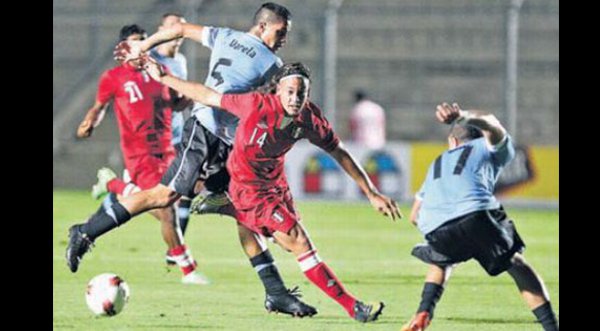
295	68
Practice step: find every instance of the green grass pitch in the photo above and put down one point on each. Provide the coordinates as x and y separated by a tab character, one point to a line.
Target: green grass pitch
369	253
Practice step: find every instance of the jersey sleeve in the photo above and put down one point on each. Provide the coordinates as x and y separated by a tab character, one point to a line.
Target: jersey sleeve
270	71
243	104
420	195
320	132
503	152
106	88
209	35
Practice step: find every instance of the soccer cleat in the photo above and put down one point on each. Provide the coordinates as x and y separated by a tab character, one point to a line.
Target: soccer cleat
79	244
419	323
288	303
171	261
213	203
196	278
99	189
367	312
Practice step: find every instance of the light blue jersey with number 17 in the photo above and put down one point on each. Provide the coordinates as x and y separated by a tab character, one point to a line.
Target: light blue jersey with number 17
461	181
239	62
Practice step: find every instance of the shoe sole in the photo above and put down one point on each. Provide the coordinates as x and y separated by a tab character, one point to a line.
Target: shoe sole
75	265
373	316
298	315
377	313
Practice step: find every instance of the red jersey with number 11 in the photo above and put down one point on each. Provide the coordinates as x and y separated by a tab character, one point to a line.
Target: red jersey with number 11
144	122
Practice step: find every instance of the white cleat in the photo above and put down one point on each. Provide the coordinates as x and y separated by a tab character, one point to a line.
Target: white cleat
195	278
99	189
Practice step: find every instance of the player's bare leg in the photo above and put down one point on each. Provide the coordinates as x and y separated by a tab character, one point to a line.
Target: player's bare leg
533	292
159	196
167	226
298	242
278	297
182	206
177	248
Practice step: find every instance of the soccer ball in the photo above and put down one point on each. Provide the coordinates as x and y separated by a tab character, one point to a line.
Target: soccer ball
106	294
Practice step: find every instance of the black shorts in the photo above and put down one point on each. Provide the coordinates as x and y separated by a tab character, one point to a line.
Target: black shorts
487	236
200	156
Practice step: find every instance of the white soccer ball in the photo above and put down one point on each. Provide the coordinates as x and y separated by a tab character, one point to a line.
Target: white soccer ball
106	294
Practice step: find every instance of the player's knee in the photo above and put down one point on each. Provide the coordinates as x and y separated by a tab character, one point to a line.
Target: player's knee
162	196
301	241
518	260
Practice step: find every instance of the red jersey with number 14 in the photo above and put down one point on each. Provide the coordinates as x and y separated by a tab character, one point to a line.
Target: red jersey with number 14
144	122
264	135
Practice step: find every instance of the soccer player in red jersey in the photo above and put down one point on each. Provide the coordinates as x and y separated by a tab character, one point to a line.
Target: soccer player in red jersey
202	155
142	107
270	124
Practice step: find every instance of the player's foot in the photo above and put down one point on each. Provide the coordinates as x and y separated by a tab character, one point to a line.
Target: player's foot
289	303
419	323
99	189
213	203
171	261
196	278
79	244
367	312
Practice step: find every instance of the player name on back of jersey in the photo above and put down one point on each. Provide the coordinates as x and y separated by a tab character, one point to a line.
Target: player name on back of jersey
235	44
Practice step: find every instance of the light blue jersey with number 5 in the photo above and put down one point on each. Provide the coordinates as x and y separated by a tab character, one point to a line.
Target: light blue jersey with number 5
461	181
239	62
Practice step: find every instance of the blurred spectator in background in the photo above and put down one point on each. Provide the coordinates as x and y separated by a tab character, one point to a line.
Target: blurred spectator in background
367	122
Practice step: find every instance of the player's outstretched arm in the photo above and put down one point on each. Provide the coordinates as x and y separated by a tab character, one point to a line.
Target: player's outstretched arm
486	122
178	30
192	90
129	50
92	119
380	202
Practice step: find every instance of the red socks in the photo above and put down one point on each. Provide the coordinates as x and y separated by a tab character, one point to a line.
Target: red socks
322	276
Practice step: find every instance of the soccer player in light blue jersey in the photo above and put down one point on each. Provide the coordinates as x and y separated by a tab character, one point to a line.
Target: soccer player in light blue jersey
239	62
456	211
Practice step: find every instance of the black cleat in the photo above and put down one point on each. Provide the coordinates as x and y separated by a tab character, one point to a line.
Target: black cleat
367	312
170	260
213	203
289	303
79	244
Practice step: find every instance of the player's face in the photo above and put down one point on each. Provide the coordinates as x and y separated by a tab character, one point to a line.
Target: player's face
168	22
293	94
274	35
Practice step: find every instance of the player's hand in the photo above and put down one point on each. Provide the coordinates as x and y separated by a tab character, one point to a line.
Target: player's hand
181	103
385	205
448	114
85	129
126	51
153	69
